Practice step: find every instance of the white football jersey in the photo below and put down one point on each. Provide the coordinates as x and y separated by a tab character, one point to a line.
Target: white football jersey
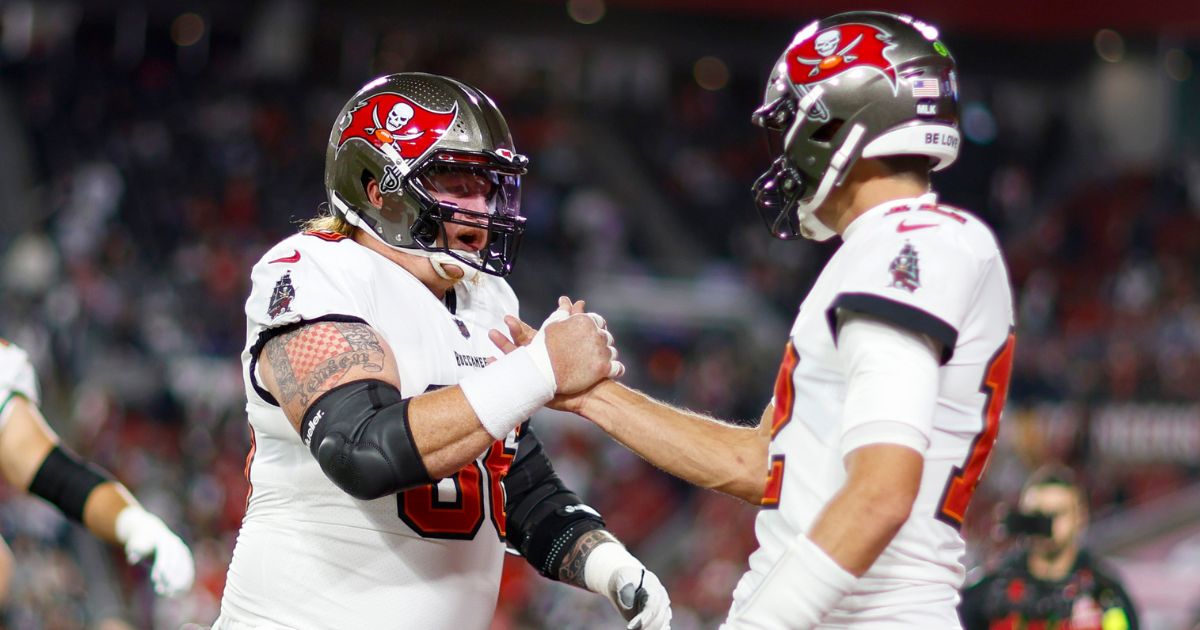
929	269
311	556
17	377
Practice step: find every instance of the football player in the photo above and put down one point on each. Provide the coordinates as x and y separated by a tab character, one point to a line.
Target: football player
32	459
896	369
391	456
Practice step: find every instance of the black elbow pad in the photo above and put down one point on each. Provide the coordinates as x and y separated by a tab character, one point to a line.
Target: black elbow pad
360	436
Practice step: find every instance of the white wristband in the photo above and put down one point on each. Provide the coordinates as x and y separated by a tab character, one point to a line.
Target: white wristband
603	561
801	588
539	352
508	391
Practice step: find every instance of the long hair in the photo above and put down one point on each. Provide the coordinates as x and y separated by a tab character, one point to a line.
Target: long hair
327	221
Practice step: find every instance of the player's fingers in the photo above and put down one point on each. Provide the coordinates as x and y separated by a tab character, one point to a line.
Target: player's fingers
616	369
506	346
600	323
652	618
564	303
520	332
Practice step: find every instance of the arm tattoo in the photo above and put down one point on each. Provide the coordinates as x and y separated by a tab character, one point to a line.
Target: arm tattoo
571	571
310	360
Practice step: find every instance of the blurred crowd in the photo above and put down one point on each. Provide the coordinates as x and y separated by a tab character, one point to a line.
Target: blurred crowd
158	186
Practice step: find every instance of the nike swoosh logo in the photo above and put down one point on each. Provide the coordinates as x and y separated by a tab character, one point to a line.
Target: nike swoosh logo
295	257
904	227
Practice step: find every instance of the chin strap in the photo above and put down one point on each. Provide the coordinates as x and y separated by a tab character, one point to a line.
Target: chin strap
438	260
806	212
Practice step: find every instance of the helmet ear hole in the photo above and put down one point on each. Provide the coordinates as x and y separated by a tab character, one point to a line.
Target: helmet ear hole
827	131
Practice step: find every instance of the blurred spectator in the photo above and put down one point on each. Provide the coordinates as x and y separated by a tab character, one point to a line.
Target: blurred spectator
1052	578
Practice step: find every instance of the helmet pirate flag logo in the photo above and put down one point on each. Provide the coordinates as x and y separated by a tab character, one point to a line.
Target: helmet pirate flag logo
839	49
391	122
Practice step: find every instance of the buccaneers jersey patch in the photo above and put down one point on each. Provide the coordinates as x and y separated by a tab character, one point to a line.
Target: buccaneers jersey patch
906	274
282	296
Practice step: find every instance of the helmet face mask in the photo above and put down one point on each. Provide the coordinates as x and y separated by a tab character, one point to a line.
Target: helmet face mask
858	84
501	224
401	131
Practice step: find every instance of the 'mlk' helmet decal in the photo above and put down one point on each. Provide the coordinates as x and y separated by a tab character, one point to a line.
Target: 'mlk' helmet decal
837	50
391	120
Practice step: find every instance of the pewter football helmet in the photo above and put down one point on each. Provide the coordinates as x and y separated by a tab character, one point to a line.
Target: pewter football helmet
858	84
401	127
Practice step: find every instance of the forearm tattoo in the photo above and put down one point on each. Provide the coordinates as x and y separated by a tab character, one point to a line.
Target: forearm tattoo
571	570
310	360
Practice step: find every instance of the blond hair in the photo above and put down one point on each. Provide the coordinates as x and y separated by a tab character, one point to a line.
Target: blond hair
328	222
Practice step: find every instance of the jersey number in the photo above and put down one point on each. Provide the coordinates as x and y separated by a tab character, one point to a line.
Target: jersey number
453	507
963	480
785	400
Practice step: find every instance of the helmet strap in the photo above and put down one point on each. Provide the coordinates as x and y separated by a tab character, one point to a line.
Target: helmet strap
437	260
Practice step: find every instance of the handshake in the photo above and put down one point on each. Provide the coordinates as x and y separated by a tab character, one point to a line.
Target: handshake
573	349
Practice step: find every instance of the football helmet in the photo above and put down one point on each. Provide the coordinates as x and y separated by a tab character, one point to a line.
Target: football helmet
401	130
858	84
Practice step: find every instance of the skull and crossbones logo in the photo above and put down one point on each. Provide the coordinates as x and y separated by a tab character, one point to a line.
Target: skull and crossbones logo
397	118
827	44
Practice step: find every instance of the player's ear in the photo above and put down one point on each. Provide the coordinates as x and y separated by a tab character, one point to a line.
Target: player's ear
373	194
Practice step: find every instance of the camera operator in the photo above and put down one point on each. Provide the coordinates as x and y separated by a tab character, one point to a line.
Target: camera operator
1052	582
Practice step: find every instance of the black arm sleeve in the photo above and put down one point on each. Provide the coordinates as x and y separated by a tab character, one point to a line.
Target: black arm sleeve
360	436
66	481
544	517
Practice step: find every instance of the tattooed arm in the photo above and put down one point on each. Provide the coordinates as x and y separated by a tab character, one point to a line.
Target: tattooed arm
599	563
571	571
565	540
298	366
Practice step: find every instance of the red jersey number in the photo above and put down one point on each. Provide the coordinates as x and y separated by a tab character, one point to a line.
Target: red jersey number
963	480
785	398
454	507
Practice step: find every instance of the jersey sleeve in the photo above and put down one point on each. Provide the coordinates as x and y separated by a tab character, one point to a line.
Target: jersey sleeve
301	280
923	281
891	385
17	377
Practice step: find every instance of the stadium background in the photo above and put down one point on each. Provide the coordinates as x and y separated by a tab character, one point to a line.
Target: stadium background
152	151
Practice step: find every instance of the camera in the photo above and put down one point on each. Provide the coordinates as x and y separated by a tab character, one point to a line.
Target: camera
1028	523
